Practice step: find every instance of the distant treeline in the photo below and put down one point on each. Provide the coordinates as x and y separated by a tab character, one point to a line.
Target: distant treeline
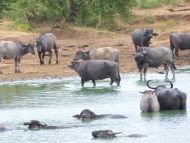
94	13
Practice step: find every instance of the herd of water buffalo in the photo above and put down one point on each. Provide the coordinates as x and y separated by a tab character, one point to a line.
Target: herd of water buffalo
103	63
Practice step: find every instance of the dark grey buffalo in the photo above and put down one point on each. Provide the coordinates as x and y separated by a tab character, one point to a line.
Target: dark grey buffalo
89	115
103	53
104	134
142	37
37	125
149	102
14	50
110	134
169	98
154	57
45	43
179	41
97	70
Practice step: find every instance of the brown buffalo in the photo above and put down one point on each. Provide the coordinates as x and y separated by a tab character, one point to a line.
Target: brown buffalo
104	53
149	102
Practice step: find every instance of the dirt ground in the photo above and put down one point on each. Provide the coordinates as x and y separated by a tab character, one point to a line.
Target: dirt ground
70	38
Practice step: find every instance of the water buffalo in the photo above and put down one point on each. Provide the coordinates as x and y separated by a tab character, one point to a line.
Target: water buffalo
154	57
97	70
14	50
142	37
89	115
104	53
47	42
169	98
4	128
179	41
104	134
149	102
36	125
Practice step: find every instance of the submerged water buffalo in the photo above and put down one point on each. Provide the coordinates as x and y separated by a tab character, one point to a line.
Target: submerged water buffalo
104	53
149	102
154	57
169	98
89	115
37	125
4	128
104	134
45	43
111	134
142	37
179	41
14	50
97	70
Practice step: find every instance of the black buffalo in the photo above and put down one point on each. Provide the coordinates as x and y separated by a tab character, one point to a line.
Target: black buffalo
37	125
154	57
169	98
89	115
179	41
45	43
97	70
142	37
104	134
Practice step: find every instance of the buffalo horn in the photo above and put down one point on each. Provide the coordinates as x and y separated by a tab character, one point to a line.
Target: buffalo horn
149	85
171	84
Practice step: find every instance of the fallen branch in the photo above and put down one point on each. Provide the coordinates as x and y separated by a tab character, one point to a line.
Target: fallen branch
183	9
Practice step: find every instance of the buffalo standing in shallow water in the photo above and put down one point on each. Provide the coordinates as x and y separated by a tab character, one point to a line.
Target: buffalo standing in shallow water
154	57
47	42
14	50
97	70
142	37
149	102
169	98
89	115
104	53
179	41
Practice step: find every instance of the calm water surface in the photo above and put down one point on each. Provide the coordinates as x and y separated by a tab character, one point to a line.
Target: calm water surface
55	101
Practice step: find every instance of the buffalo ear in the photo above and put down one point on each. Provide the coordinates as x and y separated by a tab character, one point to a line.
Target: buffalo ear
27	123
141	92
76	116
143	51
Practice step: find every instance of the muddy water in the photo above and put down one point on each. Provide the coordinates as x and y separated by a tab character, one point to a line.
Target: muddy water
55	101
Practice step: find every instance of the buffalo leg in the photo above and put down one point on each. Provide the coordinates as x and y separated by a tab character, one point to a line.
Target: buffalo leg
177	53
82	82
145	70
173	71
94	82
0	69
17	66
57	55
42	61
50	56
140	75
167	70
40	57
111	81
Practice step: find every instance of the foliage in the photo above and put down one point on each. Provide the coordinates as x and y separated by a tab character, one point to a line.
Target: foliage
154	3
94	13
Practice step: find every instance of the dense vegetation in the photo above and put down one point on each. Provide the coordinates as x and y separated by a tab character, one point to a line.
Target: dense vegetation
94	13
